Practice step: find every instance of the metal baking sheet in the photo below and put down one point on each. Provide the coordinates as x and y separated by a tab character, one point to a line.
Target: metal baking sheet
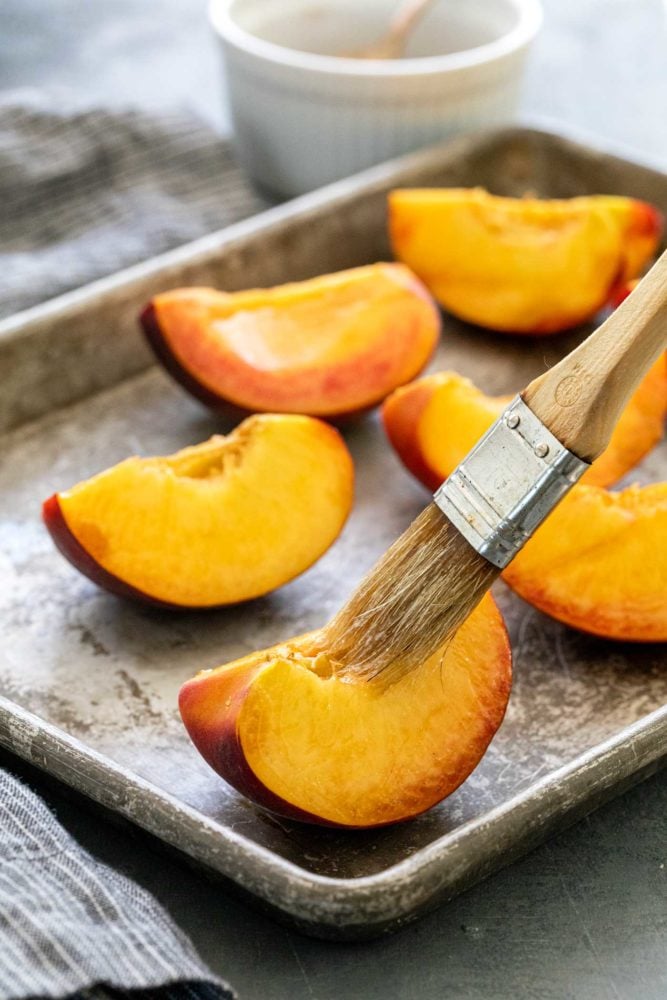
88	683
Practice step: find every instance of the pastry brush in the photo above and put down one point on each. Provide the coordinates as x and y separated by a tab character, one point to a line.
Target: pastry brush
435	574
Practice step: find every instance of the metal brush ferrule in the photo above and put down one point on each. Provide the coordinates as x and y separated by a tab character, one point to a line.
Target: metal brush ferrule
505	487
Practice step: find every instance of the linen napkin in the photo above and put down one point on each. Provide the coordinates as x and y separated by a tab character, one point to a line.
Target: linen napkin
84	193
70	924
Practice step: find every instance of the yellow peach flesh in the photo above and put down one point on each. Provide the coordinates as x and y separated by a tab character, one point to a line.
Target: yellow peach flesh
221	522
329	346
599	563
358	754
521	264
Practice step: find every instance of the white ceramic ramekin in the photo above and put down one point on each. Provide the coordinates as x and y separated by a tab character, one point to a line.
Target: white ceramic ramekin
304	116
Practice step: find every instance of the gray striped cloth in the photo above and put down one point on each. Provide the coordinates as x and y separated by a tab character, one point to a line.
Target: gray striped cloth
69	924
82	194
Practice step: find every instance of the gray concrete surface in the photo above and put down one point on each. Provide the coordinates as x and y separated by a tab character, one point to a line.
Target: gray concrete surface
585	916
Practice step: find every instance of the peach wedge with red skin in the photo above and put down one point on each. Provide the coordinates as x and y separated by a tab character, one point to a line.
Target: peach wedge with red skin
521	265
434	422
331	347
287	732
218	523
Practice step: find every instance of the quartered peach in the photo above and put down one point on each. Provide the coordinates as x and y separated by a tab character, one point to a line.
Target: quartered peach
224	521
330	347
286	731
521	265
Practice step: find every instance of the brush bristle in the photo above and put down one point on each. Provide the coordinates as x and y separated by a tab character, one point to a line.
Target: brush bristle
411	602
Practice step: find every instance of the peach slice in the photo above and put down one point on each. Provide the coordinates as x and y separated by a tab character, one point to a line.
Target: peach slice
224	521
599	563
521	265
330	347
286	731
434	422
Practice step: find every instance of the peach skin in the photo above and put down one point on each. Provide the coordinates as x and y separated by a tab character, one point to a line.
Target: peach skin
331	347
224	521
287	732
621	292
521	265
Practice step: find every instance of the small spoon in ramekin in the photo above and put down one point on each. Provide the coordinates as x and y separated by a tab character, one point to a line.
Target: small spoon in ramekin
392	44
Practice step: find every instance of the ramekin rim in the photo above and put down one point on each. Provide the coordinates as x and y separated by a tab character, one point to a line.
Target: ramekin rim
529	22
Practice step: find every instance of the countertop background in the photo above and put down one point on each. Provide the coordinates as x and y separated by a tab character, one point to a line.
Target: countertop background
584	916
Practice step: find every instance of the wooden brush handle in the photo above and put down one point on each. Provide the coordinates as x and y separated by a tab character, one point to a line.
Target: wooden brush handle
581	398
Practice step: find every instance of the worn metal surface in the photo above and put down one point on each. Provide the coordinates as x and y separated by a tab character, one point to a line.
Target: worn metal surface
89	683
